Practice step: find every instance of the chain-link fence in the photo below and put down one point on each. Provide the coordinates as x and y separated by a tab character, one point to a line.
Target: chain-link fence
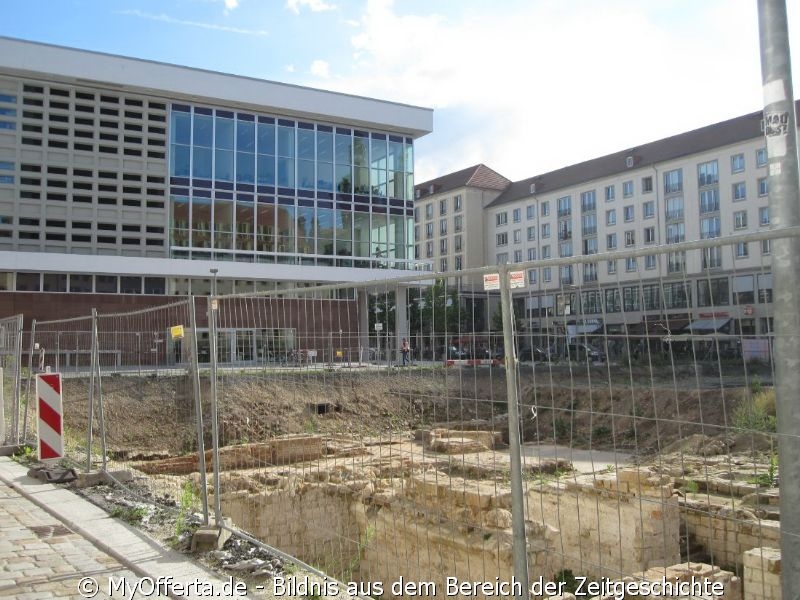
534	421
10	378
131	396
365	428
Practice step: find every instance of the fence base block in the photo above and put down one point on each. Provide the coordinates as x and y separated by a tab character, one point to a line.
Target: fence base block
211	537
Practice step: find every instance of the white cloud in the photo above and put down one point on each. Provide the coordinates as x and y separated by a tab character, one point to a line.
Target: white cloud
320	68
543	85
289	68
312	5
231	4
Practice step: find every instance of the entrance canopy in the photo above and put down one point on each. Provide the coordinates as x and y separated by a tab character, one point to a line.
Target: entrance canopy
707	325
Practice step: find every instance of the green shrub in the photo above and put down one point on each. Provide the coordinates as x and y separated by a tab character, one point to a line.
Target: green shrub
756	412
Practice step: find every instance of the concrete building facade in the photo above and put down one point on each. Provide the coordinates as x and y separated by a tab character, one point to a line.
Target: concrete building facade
126	178
707	183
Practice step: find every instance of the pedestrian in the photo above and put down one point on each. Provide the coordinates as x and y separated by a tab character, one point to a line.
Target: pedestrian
405	350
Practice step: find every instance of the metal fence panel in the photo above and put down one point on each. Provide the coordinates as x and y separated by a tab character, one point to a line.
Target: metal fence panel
10	377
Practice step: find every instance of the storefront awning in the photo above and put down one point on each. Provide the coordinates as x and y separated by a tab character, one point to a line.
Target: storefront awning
707	325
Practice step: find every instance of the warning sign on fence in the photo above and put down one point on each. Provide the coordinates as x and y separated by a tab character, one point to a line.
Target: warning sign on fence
49	412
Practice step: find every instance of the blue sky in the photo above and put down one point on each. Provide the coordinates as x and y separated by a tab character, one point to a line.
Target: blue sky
522	86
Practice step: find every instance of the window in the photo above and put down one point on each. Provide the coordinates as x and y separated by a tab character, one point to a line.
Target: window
630	299
764	286
546	251
501	239
443	206
677	295
545	230
611	241
766	247
630	238
761	157
443	246
565	274
443	226
429	210
517	215
649	209
676	232
647	184
501	219
457	243
610	193
457	205
713	292
6	166
611	217
611	266
708	173
531	253
763	215
740	219
590	274
459	262
650	262
531	275
443	264
673	181
709	201
565	249
530	211
502	258
674	208
763	186
676	262
737	163
517	256
547	274
743	289
712	258
628	213
589	224
709	228
564	230
531	233
590	246
630	264
627	189
739	191
517	236
429	249
649	235
742	250
588	201
416	215
545	208
428	231
565	206
458	223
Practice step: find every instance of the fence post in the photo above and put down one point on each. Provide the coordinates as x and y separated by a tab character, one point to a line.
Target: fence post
520	545
95	368
780	128
213	307
15	425
198	403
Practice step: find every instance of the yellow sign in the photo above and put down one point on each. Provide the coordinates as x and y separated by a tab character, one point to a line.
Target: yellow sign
177	332
339	354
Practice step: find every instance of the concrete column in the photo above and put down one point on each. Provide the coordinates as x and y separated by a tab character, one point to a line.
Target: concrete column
363	324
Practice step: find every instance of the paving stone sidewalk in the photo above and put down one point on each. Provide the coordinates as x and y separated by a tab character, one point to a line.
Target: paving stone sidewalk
52	539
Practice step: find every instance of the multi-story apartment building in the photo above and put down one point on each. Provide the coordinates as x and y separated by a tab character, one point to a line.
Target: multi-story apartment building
126	178
707	183
448	212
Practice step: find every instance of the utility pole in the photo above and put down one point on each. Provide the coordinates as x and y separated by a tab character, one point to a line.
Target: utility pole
780	129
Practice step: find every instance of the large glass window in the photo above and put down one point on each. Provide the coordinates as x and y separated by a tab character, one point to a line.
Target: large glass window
245	151
202	146
713	292
708	173
305	230
286	156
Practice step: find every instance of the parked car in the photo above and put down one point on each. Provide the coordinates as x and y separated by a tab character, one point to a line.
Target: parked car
581	351
543	354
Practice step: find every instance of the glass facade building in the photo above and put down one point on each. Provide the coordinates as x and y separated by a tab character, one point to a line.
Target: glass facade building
260	188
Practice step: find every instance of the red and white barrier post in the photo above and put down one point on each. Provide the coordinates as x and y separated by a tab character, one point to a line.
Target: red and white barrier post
49	412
